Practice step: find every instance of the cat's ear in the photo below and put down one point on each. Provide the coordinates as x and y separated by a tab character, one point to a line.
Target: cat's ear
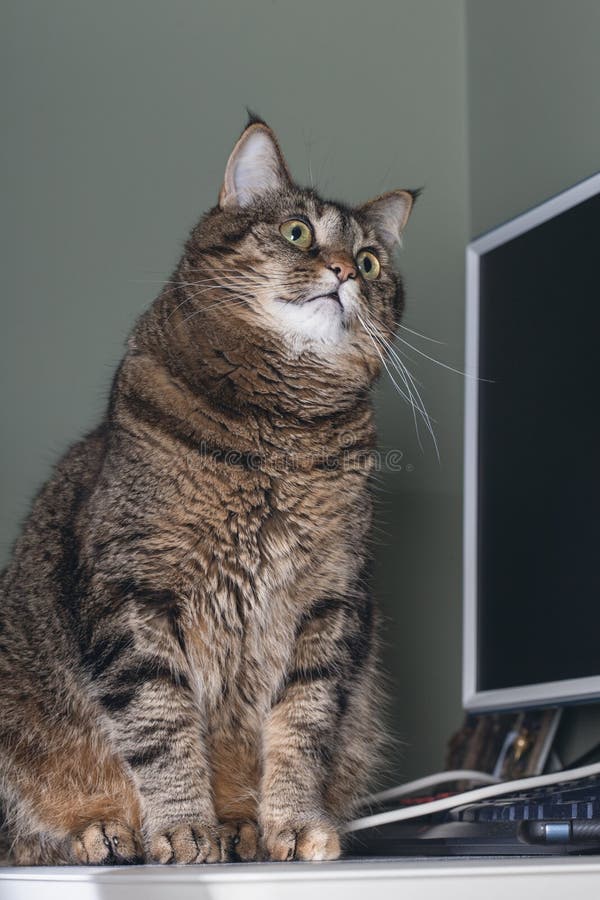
256	166
388	214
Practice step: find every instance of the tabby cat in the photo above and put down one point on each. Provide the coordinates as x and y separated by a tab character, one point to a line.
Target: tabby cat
188	640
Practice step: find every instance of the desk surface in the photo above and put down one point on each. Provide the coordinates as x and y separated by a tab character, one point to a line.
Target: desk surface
407	879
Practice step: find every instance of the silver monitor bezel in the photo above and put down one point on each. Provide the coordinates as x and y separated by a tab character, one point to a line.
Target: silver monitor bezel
547	693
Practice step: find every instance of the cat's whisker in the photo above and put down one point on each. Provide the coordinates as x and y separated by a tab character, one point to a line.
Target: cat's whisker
214	285
188	299
311	180
247	268
420	404
398	350
172	312
218	272
406	374
418	334
151	281
227	273
438	362
273	270
414	408
406	396
425	337
229	301
414	399
179	283
225	301
394	353
207	284
194	315
190	284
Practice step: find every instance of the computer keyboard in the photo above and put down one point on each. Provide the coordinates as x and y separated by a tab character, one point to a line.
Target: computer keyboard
561	819
568	800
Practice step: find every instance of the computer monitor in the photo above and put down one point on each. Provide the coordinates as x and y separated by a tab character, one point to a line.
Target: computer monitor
532	458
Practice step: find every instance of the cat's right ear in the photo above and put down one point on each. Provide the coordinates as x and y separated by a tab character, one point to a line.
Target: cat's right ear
389	214
255	167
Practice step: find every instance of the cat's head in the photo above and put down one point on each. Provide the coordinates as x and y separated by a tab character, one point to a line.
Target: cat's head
316	275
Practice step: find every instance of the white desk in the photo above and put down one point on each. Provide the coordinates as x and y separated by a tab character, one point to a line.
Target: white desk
497	879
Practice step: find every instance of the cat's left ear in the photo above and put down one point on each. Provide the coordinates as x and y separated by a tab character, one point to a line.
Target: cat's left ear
256	166
388	214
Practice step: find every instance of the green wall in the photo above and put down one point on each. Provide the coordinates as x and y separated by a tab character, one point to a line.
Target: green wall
119	117
534	102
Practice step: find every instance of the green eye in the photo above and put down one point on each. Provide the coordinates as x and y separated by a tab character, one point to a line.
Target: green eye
368	264
297	232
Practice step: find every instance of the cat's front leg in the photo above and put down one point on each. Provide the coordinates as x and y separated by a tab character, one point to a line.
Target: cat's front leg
156	724
301	734
298	740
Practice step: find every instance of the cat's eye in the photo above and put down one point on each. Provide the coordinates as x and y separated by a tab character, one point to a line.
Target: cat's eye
368	264
297	232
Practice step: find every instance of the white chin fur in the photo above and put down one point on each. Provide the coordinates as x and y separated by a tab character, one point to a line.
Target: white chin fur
319	321
320	324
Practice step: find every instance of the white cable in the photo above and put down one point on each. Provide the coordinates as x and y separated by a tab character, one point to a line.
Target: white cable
429	781
494	790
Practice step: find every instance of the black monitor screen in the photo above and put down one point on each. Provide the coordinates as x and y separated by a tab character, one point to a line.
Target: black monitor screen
539	454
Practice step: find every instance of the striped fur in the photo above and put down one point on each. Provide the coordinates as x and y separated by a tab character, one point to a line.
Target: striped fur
188	638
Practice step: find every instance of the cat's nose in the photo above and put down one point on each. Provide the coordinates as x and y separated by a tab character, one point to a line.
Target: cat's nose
343	268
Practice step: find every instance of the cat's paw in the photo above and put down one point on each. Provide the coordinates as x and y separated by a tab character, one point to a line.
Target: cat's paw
315	840
239	841
107	844
189	843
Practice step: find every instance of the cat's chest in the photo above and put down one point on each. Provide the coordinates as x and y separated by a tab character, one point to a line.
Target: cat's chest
268	546
263	528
